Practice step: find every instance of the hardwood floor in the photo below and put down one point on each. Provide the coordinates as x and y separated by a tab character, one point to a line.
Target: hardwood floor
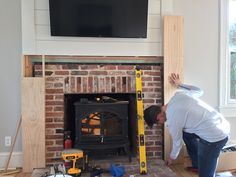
178	169
181	172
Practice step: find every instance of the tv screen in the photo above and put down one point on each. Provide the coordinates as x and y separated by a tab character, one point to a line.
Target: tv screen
99	18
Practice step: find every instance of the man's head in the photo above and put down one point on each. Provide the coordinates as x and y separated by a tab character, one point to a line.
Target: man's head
154	114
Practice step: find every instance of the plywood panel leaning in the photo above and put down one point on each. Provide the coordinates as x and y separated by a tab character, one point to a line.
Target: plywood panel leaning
173	61
33	123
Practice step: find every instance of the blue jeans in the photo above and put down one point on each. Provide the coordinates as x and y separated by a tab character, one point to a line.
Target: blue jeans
204	155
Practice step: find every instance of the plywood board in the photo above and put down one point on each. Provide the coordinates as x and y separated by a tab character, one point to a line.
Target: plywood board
33	123
173	62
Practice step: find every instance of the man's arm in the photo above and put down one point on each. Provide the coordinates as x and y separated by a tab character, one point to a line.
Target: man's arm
188	89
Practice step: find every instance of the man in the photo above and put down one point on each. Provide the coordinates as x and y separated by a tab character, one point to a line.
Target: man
204	130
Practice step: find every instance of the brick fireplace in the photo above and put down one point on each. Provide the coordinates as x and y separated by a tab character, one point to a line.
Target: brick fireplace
72	78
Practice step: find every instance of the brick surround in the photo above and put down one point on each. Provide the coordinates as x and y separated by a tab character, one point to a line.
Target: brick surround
72	78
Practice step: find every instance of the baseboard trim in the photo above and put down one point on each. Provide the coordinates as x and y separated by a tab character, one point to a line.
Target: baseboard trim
16	159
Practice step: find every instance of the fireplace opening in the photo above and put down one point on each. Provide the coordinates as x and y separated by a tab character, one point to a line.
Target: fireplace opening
102	125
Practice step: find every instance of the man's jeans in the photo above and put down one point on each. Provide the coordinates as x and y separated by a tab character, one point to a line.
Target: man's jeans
204	155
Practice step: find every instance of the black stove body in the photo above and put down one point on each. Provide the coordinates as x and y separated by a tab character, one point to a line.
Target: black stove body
101	126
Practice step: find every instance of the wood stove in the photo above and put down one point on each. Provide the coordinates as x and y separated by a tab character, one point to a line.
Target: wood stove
101	125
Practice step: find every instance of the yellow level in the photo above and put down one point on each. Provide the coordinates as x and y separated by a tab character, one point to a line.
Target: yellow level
140	115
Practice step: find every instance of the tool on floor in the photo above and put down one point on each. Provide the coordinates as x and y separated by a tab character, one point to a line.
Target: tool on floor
140	115
73	155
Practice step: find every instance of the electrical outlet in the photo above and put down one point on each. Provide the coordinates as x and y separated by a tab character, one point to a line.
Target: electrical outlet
7	141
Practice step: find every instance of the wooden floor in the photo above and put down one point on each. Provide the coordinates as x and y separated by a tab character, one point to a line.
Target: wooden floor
178	169
181	172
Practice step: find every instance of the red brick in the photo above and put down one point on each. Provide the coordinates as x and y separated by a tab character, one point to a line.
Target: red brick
49	143
124	85
109	67
61	73
54	91
52	67
84	84
59	108
102	85
97	73
59	142
48	120
49	155
148	101
49	109
152	73
58	85
55	148
90	84
49	97
58	120
79	86
55	103
54	125
118	84
54	137
96	84
125	67
89	67
72	85
59	97
79	73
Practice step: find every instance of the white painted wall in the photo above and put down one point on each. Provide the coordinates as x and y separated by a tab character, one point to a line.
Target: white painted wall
10	69
201	53
37	38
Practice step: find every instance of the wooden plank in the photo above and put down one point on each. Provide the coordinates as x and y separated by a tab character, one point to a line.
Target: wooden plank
173	63
33	123
27	67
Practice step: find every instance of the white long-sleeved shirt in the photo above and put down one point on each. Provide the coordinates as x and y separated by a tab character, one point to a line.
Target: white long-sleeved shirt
186	112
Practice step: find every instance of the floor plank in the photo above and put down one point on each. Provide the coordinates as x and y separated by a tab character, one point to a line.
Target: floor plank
181	172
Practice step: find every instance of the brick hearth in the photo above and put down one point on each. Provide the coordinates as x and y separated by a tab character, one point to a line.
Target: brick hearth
72	78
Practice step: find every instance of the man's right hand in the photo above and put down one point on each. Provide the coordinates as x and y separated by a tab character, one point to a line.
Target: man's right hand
174	80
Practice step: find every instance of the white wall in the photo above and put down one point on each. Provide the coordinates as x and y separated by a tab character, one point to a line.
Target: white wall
37	38
201	57
10	57
201	53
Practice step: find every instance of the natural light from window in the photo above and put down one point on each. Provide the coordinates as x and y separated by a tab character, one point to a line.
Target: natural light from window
232	48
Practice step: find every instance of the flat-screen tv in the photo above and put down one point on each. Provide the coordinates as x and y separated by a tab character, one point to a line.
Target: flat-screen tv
99	18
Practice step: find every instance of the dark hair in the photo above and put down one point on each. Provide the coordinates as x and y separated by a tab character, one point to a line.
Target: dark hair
150	114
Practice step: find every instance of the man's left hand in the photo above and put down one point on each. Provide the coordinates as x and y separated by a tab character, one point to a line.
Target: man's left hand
169	161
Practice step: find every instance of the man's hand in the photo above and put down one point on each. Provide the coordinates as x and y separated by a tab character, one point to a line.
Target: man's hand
174	80
169	161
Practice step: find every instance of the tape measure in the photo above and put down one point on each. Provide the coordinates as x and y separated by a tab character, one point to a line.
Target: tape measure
140	116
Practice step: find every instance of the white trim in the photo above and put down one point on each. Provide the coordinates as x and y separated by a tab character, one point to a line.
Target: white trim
228	111
16	159
223	53
28	27
227	106
167	7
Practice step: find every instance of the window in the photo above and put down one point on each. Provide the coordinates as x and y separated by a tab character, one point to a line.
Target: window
228	58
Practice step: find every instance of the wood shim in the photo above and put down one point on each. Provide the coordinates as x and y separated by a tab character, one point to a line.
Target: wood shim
33	123
173	62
